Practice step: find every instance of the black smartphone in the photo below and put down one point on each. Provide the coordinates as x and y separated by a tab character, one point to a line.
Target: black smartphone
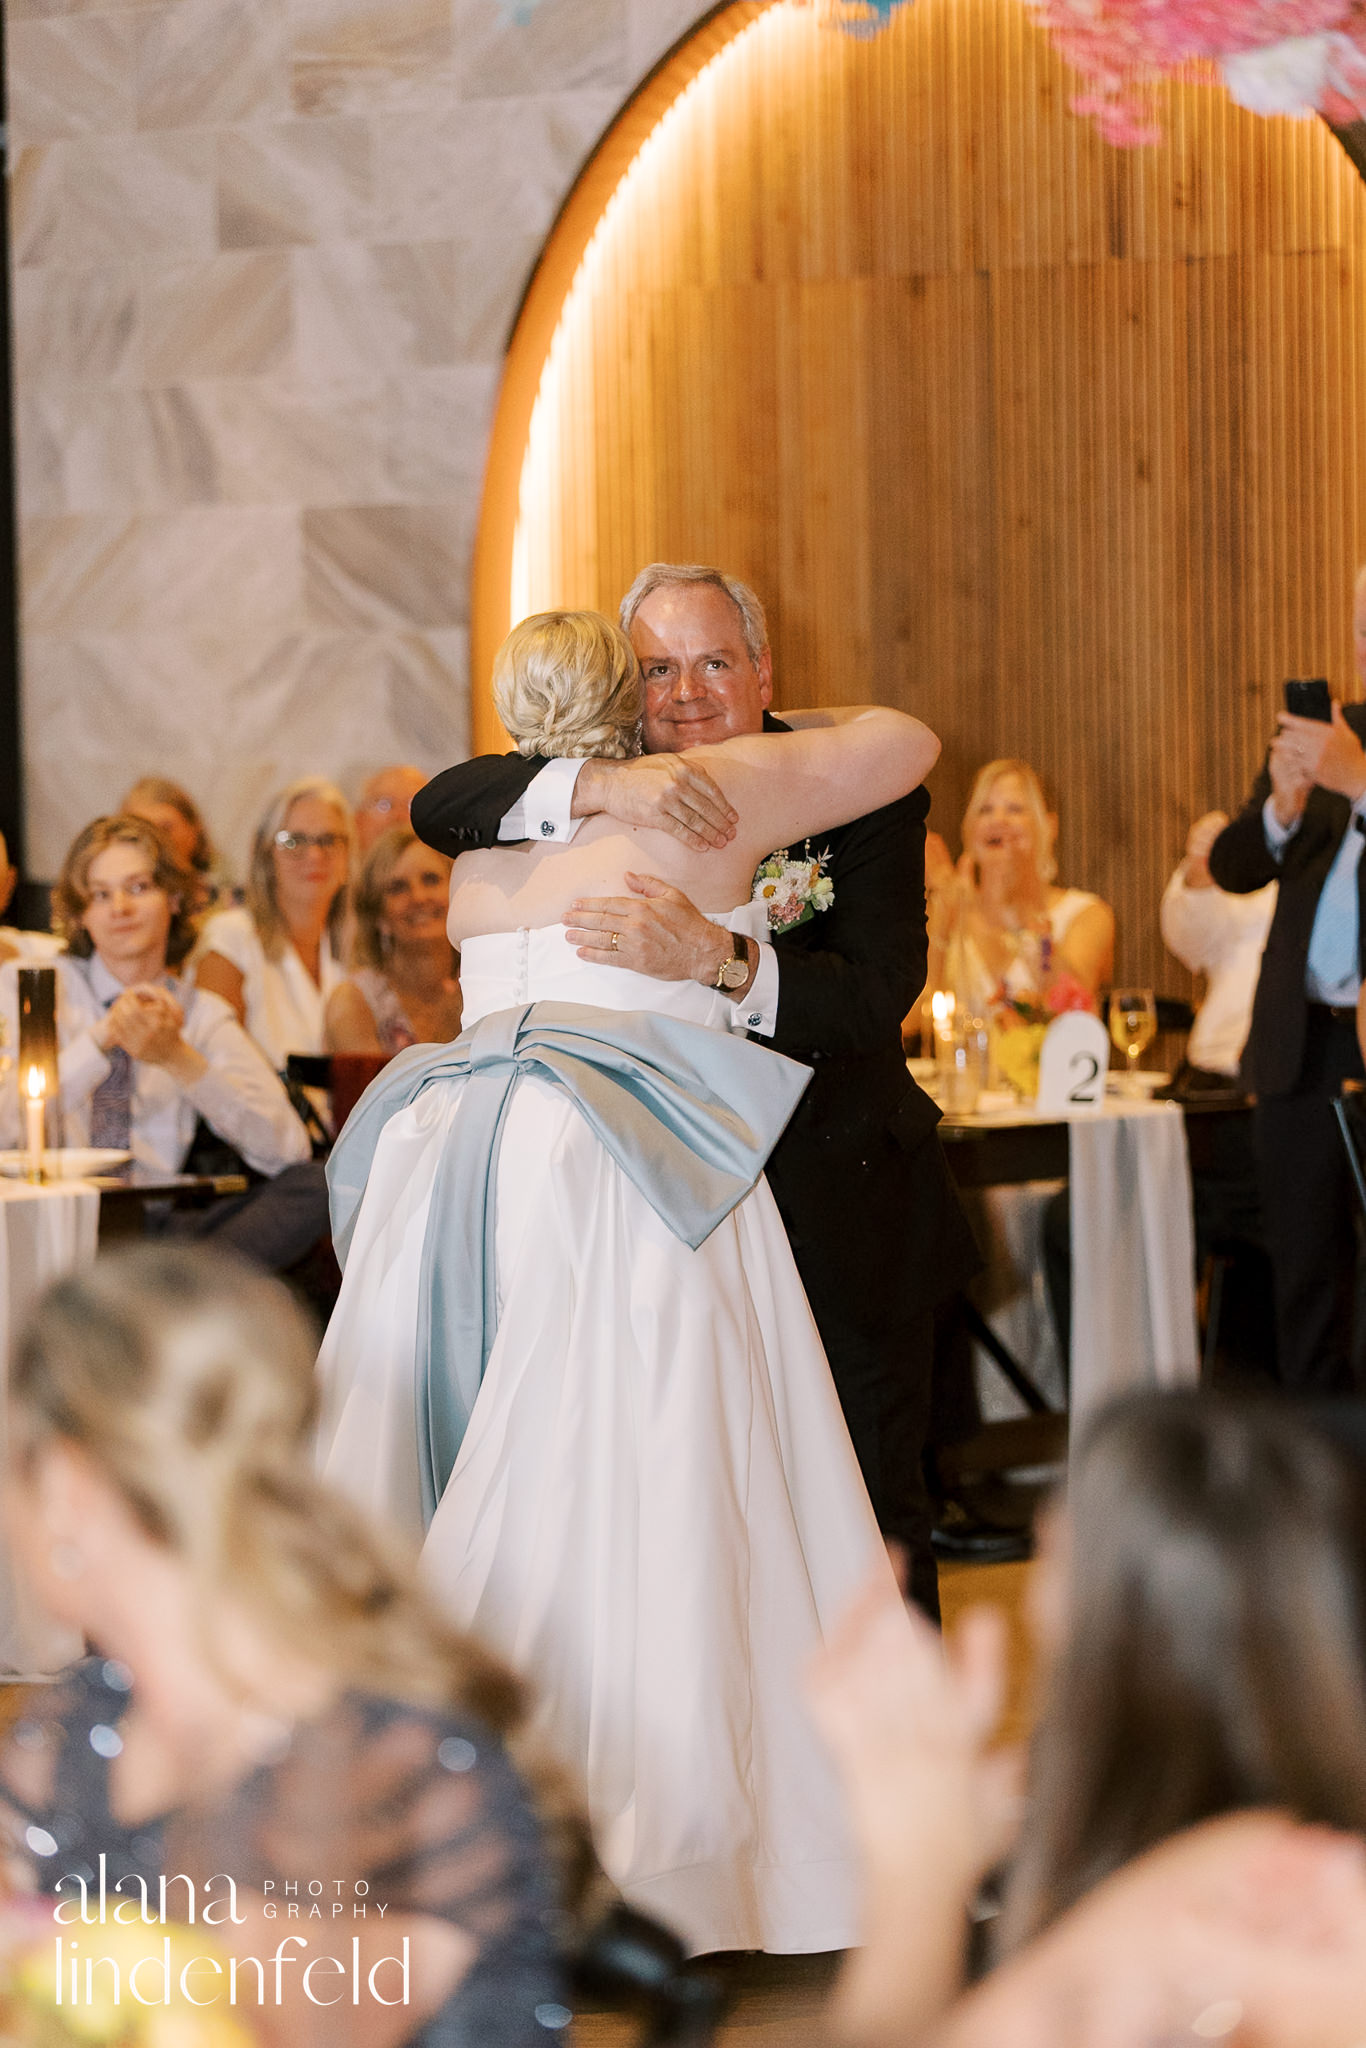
1309	699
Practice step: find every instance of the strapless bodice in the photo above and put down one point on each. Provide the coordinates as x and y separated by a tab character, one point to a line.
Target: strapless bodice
505	969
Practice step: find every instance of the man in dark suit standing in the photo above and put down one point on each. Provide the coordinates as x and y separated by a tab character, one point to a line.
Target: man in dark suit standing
1302	826
859	1176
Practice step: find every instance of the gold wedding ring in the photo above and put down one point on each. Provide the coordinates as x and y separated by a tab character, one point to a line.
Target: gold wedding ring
616	941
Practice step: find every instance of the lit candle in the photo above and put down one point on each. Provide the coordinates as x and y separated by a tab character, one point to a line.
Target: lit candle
34	1108
942	1007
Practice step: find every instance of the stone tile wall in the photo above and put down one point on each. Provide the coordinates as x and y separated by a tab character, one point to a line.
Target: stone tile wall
266	255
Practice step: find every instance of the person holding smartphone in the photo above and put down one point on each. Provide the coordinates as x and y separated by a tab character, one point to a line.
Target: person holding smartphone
1302	826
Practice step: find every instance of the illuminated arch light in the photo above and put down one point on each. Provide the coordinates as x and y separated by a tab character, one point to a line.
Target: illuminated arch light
561	430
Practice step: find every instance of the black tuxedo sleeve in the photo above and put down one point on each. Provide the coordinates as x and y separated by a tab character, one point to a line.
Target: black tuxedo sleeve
1240	859
463	807
847	978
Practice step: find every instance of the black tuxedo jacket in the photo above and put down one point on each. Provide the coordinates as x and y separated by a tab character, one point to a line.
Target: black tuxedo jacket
1240	861
859	1174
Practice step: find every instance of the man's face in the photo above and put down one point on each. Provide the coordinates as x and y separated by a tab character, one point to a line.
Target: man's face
127	916
701	684
384	802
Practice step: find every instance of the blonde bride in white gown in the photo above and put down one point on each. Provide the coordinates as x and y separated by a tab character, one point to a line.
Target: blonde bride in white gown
572	1352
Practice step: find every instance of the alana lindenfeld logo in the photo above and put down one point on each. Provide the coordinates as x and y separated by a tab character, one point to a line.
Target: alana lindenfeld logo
154	1947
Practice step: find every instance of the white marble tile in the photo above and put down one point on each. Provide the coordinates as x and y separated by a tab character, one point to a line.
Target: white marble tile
373	567
342	704
435	435
208	568
489	283
231	316
132	196
39	456
101	709
37	191
568	45
79	572
485	169
360	310
295	182
70	77
271	442
74	325
205	62
370	55
90	725
108	449
654	26
47	10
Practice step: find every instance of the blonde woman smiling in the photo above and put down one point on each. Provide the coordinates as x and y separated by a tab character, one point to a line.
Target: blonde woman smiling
1017	930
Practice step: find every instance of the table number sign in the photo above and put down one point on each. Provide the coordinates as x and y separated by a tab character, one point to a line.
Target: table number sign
1073	1064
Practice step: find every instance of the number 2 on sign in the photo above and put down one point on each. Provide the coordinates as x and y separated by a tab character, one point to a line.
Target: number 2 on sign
1085	1089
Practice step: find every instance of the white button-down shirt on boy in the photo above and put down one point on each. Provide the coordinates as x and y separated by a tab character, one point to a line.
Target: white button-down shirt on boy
238	1097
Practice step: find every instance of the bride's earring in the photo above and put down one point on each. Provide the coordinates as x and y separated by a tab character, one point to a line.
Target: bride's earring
67	1561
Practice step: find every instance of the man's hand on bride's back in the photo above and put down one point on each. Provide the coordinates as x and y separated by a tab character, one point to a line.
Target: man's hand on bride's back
660	790
654	931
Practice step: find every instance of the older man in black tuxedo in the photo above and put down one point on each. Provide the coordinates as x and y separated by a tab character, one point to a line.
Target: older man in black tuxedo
1302	826
859	1175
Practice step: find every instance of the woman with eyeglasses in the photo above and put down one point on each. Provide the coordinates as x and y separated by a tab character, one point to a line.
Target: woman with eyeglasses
279	958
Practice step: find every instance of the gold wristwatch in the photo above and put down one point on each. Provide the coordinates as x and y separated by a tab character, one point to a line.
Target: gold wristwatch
734	973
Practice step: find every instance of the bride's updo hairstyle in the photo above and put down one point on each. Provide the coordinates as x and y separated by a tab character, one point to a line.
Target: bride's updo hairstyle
567	685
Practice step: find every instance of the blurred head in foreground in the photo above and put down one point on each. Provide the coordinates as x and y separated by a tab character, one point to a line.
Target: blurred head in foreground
1201	1604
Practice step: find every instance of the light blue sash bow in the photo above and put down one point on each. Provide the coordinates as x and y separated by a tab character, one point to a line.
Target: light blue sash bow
688	1114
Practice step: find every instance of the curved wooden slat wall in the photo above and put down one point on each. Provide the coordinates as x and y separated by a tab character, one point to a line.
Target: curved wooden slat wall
1062	447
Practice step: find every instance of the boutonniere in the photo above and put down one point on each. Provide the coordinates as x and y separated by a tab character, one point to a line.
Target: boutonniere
792	891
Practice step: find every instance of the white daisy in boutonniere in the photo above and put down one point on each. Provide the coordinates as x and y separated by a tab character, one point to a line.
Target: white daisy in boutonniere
792	891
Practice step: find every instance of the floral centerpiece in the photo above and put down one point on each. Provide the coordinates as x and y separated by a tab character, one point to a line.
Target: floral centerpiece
1274	56
1019	1023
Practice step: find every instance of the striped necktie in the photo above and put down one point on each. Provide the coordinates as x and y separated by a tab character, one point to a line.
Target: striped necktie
111	1105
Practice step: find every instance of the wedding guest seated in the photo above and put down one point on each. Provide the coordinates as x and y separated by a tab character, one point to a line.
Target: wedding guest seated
271	1704
1199	1614
178	819
278	958
30	948
146	1058
402	989
1010	943
384	802
1007	931
1222	936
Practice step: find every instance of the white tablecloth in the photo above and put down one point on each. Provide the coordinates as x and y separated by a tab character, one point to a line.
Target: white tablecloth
1133	1252
43	1232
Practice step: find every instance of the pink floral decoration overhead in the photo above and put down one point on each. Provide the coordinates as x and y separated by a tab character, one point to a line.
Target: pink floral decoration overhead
1275	56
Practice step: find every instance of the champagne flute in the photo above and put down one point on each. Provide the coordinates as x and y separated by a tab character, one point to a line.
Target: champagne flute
1133	1027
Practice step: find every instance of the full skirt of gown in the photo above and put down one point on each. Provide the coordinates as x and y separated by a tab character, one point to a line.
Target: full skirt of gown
656	1515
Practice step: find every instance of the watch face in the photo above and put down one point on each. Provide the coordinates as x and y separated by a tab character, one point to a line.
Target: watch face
735	974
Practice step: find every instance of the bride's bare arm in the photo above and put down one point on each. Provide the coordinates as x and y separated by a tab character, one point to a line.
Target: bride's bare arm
789	785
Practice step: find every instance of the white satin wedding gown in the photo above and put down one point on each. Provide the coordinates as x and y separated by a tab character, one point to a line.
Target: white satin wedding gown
656	1514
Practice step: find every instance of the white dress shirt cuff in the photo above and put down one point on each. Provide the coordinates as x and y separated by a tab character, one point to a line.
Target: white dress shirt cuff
1278	836
542	811
757	1009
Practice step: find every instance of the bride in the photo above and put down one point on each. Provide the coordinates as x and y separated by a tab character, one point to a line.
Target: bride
571	1344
